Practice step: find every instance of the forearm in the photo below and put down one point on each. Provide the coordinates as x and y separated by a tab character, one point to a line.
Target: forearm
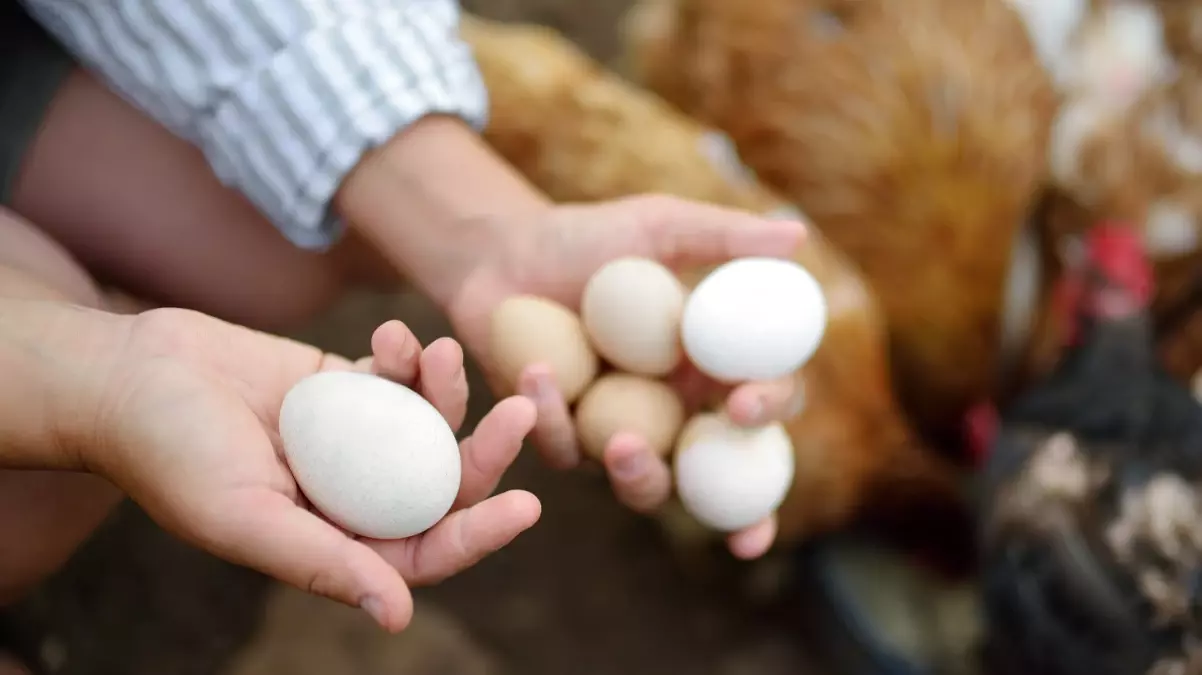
429	199
52	362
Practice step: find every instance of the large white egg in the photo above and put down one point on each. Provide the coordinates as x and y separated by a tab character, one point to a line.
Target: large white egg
730	477
372	455
631	309
753	319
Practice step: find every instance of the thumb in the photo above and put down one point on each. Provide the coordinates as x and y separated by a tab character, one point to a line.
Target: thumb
683	232
266	531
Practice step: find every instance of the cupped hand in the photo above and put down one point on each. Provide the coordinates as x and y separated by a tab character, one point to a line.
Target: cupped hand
554	258
193	409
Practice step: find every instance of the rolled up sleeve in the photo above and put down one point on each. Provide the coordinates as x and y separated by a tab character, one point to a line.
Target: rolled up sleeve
282	96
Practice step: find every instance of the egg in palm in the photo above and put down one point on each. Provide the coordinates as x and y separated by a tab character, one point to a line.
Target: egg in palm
370	454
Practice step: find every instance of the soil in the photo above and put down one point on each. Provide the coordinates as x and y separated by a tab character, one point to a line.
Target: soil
592	589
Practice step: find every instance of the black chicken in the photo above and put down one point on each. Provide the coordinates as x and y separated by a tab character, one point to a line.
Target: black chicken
1091	521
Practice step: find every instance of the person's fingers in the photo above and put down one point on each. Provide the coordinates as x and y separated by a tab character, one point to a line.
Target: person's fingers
461	539
554	433
697	391
489	451
683	232
265	530
437	371
336	362
753	542
640	479
396	353
757	403
443	380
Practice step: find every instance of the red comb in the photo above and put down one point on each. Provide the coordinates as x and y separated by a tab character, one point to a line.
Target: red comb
981	426
1117	251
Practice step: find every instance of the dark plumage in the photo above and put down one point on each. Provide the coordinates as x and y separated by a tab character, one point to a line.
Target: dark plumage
1091	525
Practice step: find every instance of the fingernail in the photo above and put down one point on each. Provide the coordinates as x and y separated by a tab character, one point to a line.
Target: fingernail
779	236
798	403
413	348
374	608
755	411
544	388
631	466
529	387
786	213
796	406
402	341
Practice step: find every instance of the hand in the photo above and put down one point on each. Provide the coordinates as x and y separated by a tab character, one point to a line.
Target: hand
190	419
555	256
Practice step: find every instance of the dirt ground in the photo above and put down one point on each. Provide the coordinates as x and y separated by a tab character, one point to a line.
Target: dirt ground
590	590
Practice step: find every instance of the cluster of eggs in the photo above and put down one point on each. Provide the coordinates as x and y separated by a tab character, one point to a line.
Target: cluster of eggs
378	460
750	319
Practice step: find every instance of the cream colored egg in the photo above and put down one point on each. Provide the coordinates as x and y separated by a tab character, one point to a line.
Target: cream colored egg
631	309
528	330
619	402
370	454
732	477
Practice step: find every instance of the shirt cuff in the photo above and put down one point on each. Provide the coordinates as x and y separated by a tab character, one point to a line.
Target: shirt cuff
287	136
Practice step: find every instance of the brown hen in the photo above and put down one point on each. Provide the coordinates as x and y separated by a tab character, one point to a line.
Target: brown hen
910	133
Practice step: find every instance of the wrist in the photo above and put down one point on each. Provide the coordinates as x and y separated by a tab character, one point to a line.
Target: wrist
438	202
55	362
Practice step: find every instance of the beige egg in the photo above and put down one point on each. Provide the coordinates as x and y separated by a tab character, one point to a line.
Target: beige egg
528	329
631	309
622	402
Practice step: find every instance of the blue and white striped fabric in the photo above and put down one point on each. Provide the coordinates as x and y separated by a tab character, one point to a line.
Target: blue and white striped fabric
282	96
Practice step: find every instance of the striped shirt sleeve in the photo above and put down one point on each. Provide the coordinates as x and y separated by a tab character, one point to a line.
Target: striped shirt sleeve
282	96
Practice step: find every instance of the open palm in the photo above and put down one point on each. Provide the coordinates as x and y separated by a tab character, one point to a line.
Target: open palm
194	408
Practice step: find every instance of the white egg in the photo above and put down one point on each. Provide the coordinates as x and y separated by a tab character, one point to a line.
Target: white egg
372	455
631	310
730	477
753	319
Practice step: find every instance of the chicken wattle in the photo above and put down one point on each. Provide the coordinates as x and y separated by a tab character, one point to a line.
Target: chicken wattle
1091	520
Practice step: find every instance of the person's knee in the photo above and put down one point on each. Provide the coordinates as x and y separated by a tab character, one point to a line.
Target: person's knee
11	667
143	210
44	517
293	300
300	310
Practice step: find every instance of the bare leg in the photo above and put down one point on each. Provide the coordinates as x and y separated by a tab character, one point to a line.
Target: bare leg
44	516
142	211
